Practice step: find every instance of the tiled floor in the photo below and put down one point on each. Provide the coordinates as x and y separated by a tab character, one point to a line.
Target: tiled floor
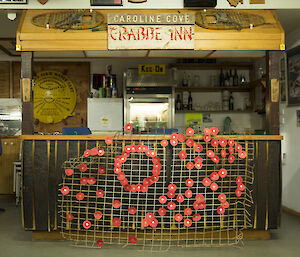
15	242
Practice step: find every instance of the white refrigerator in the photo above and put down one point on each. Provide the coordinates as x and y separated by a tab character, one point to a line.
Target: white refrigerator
105	115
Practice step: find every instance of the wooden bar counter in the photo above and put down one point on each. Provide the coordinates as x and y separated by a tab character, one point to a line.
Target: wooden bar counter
44	155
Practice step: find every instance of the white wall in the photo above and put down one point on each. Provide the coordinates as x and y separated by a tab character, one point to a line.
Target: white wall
153	4
290	145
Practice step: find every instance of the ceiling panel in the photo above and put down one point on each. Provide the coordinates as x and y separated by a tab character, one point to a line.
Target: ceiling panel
238	54
59	54
114	54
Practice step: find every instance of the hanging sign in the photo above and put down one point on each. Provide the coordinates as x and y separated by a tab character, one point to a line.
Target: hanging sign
151	31
54	97
152	69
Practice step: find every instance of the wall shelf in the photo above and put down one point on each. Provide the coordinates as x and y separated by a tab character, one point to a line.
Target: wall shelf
219	111
211	66
215	89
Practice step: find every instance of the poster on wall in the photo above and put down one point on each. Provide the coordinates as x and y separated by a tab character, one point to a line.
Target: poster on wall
293	87
13	1
106	2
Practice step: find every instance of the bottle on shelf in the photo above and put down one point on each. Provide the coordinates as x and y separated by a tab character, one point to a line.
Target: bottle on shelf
184	80
222	79
231	105
178	103
235	79
185	100
190	102
242	80
230	78
227	80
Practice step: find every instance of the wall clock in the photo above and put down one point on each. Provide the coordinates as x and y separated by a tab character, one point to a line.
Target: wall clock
13	1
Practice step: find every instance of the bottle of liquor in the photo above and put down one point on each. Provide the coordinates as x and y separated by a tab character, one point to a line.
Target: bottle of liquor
185	100
178	103
230	78
184	80
227	80
235	79
190	102
222	79
231	106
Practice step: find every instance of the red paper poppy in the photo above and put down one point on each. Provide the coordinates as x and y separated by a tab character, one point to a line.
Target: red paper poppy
171	194
123	159
214	176
198	159
214	142
146	181
188	222
124	181
207	138
196	205
189	142
69	216
238	148
174	136
148	153
206	131
100	152
172	187
214	131
188	211
116	204
210	153
65	190
132	239
190	165
173	142
132	210
206	182
108	140
239	179
128	127
242	154
127	187
182	154
162	199
198	148
202	205
178	217
100	193
214	186
171	205
145	223
102	170
80	196
121	176
238	192
222	198
230	142
196	217
153	154
84	180
180	198
198	165
231	150
223	142
91	180
69	172
139	187
118	164
156	160
189	182
223	153
150	216
215	159
154	178
155	172
133	188
181	137
225	204
154	223
82	167
94	151
241	187
98	215
188	193
87	224
221	210
128	148
99	243
164	143
144	189
190	131
116	222
86	153
200	198
231	158
162	212
222	173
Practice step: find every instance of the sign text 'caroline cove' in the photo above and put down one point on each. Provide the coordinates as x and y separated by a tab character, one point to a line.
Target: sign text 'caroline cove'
151	31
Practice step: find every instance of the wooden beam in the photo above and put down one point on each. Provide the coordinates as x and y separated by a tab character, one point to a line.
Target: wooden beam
26	93
272	92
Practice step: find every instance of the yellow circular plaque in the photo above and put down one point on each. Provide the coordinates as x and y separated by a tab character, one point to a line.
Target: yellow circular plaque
54	97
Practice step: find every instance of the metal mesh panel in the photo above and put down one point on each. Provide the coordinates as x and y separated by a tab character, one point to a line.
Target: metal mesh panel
213	229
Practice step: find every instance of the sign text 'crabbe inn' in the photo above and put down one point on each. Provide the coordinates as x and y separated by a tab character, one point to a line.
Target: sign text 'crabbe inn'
151	31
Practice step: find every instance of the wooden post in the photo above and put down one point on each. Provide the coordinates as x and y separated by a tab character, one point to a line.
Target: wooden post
26	93
272	92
